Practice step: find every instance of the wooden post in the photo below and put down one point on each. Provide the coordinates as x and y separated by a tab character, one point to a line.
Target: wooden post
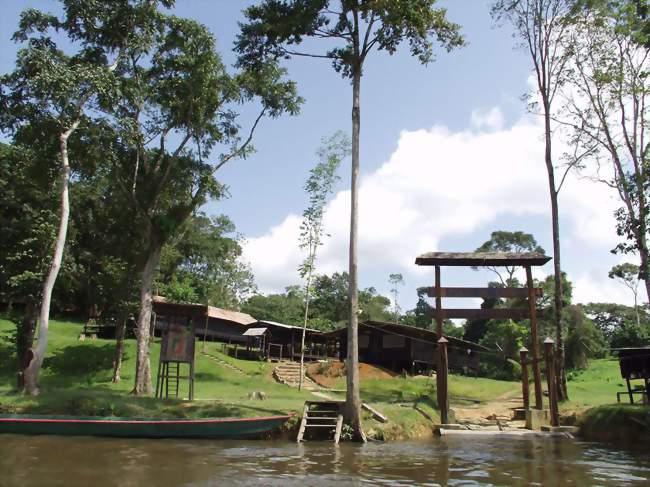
441	367
438	304
551	381
441	381
192	380
535	343
205	329
525	387
629	390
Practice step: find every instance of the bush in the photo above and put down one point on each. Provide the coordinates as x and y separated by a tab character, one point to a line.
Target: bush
499	368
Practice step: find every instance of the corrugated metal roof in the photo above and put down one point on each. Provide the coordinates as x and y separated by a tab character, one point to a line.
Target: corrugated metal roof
282	325
235	316
254	332
196	309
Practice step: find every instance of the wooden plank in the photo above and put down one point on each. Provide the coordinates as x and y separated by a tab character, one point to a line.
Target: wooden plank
376	414
339	427
480	292
489	314
481	259
303	423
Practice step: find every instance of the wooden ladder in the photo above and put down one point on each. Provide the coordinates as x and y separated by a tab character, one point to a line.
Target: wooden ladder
323	419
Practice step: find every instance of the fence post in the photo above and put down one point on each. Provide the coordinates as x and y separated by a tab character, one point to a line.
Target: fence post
525	386
441	381
551	380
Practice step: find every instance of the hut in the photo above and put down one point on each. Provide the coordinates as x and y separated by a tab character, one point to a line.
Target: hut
211	323
284	341
402	347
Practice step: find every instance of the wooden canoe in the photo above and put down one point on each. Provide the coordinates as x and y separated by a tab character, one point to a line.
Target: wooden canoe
139	427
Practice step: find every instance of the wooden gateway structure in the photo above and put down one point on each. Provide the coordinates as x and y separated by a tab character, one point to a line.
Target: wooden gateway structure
437	260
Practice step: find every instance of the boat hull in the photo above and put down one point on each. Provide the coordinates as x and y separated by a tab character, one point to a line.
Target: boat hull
139	427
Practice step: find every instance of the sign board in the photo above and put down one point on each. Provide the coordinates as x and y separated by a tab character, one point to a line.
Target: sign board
178	342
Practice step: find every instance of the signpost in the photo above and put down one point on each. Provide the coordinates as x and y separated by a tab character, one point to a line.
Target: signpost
176	348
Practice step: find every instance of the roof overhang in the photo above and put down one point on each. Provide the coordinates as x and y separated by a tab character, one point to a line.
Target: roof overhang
254	332
482	259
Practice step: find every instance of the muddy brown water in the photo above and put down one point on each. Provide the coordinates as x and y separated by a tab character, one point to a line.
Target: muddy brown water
83	461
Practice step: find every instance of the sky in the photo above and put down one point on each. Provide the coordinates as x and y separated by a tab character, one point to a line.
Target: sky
448	155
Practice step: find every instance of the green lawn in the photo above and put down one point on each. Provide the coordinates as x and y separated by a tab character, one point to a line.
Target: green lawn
76	377
596	385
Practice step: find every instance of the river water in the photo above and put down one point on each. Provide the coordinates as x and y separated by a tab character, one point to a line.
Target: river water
83	461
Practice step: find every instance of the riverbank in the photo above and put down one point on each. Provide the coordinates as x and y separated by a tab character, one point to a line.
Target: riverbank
76	379
618	423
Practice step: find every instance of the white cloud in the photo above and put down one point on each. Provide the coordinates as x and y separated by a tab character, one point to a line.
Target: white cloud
440	184
593	288
491	119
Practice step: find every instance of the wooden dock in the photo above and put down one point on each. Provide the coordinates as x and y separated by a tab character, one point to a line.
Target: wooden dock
321	420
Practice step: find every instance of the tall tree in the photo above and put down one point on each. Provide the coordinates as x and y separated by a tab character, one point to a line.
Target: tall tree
202	264
542	28
396	280
319	186
177	115
503	241
606	108
28	221
350	30
51	86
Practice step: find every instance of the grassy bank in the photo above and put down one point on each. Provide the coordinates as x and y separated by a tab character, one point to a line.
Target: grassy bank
76	379
596	385
623	423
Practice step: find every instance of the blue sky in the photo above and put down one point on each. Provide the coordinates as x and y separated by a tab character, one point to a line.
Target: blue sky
448	154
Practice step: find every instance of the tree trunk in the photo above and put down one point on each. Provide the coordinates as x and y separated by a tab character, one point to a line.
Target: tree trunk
24	341
642	244
353	399
30	374
143	366
304	329
119	349
557	269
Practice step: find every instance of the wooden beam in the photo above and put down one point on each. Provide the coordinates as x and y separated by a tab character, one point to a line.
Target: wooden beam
437	293
442	371
480	292
488	314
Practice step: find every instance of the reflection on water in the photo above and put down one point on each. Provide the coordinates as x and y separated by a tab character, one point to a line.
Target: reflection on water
69	461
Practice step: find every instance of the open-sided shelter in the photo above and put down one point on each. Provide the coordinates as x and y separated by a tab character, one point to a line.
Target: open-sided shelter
284	341
635	365
407	348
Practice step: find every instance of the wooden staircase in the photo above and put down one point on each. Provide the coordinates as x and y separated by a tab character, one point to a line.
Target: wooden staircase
321	420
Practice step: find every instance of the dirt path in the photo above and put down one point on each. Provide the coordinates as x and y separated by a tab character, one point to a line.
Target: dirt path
499	409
